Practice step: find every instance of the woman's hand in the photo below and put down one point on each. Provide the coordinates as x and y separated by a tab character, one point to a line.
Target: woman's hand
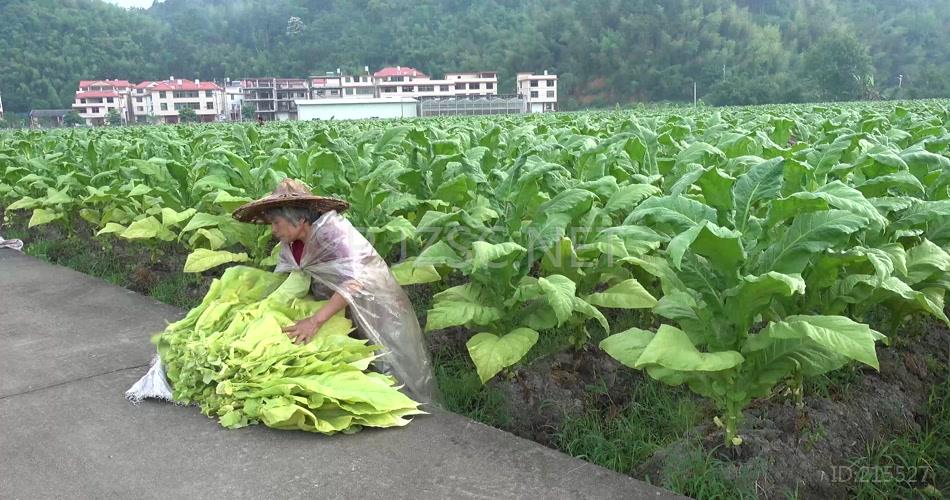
302	331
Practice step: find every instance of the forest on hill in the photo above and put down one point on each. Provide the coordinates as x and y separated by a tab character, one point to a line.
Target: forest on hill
605	51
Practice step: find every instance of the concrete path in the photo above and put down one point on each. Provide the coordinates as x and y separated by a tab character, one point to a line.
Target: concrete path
70	345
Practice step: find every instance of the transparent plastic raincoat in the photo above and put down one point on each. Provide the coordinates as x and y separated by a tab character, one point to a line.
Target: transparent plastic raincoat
339	259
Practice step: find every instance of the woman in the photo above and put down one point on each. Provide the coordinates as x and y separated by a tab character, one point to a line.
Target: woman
346	269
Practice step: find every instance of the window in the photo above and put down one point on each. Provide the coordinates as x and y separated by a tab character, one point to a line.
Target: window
534	83
459	86
209	104
534	93
348	79
387	90
550	83
551	93
408	88
349	91
474	86
489	85
444	88
396	79
161	94
108	99
138	99
164	106
426	88
207	93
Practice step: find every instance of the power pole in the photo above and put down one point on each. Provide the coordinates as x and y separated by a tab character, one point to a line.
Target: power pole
694	94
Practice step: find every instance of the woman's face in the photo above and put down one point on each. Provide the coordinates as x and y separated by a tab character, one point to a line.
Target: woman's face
286	232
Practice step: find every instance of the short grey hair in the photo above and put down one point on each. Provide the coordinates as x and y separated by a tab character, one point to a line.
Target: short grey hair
292	214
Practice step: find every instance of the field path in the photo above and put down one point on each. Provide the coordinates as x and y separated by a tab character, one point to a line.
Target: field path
70	345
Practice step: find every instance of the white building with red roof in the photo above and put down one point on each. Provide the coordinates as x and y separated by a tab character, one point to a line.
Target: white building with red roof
162	100
96	98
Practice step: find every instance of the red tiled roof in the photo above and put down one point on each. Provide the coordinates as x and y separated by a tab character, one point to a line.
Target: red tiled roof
94	94
144	85
114	83
401	71
184	85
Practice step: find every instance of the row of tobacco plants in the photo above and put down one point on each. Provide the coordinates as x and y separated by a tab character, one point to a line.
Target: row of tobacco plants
759	239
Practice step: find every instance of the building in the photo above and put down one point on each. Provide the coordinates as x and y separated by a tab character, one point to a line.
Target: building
95	99
273	98
161	101
402	81
342	108
233	100
42	118
141	102
538	91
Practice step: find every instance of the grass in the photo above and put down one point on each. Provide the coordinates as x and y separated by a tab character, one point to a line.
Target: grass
464	393
622	439
915	465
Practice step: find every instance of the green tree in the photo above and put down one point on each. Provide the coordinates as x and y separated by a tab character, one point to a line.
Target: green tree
838	66
187	115
72	119
114	118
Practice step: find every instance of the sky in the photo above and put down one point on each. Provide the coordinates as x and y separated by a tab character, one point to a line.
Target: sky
131	3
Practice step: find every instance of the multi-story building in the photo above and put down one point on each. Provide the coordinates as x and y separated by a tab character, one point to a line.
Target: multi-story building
140	100
95	99
273	98
402	81
233	100
538	91
162	100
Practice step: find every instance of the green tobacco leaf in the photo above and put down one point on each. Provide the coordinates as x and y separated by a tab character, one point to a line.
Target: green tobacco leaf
491	353
627	346
171	218
629	196
462	305
721	246
230	202
837	334
754	293
439	254
761	182
587	310
809	234
628	294
111	228
671	348
202	219
560	292
24	203
408	273
673	214
203	259
147	228
484	254
43	216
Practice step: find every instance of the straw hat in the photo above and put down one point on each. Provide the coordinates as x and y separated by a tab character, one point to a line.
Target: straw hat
288	192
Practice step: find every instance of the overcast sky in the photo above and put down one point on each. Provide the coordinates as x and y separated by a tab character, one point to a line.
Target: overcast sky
131	3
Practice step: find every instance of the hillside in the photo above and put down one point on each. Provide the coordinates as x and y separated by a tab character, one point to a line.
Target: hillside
605	51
